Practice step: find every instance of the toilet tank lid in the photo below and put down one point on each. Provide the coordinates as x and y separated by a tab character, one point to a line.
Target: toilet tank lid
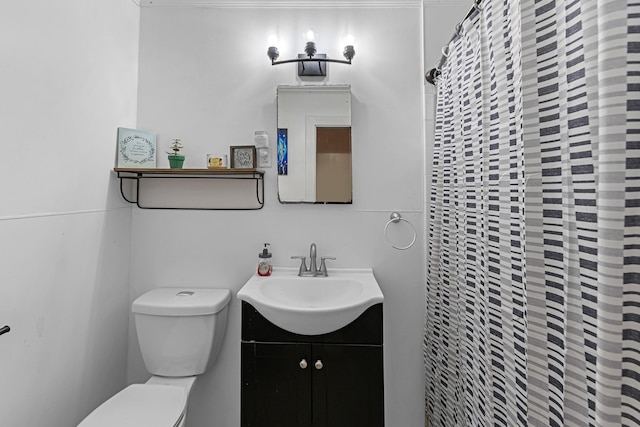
182	301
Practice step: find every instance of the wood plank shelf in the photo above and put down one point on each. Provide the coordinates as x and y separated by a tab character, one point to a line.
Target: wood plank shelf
134	184
211	171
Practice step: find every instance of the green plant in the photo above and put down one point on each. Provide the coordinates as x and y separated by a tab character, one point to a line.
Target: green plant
175	147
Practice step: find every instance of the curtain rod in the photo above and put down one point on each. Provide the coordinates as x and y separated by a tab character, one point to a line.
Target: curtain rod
433	74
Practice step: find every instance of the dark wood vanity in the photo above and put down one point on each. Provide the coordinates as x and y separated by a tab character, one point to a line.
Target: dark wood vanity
330	380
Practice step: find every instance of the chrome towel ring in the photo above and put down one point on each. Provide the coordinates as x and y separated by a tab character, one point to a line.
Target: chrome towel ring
394	219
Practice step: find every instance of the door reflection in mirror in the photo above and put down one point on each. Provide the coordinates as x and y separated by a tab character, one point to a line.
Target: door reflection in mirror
333	164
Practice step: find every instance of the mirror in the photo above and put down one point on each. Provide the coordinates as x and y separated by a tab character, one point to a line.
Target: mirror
314	144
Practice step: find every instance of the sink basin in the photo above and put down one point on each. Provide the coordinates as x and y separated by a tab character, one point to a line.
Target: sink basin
312	305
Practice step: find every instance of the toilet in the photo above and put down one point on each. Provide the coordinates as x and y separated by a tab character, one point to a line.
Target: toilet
180	332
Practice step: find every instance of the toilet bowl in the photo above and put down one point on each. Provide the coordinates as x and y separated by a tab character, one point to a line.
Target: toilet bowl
180	332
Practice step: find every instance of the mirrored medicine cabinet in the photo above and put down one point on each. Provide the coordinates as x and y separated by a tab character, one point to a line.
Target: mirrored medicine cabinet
314	144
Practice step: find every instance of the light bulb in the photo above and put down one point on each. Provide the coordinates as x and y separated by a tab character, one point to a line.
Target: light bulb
349	40
273	40
310	36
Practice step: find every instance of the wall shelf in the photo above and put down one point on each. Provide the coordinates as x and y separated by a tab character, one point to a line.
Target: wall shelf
193	189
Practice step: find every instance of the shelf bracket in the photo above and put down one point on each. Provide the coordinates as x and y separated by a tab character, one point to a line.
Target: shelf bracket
138	175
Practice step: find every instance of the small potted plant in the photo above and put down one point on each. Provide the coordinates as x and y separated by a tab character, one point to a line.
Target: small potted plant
175	158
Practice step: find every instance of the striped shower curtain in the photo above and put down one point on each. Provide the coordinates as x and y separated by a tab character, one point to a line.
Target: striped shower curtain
533	284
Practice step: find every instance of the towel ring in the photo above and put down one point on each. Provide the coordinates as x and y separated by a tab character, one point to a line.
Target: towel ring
396	218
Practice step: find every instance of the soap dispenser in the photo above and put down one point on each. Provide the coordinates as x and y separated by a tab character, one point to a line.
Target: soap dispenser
264	262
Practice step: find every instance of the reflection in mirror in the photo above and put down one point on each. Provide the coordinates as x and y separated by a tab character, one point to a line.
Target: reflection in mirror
333	164
314	139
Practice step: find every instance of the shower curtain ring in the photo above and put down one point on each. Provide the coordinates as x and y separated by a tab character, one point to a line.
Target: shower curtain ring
445	51
476	5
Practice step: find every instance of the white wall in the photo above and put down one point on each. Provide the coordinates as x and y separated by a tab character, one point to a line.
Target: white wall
205	78
68	79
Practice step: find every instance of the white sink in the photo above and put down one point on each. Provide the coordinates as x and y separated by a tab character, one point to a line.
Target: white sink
312	305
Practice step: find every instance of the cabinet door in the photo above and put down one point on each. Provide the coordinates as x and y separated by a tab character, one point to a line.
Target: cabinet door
275	388
348	386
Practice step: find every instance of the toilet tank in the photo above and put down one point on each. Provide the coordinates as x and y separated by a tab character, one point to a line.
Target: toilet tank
180	330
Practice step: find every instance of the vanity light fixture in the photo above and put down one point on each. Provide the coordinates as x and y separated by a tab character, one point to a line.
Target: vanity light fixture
310	62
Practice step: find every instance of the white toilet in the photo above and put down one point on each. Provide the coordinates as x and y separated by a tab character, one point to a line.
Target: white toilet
180	332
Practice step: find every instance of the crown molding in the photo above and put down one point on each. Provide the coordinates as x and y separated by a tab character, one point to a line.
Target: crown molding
282	4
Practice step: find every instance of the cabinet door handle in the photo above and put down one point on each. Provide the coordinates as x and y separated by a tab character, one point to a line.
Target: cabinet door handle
4	330
318	364
303	364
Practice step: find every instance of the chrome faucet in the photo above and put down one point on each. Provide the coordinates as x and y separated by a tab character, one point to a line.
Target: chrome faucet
312	257
313	271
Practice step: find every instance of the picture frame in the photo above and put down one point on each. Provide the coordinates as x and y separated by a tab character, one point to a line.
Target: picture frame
135	149
283	151
242	156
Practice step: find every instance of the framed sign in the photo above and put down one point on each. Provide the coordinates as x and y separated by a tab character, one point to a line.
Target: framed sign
283	151
136	149
243	157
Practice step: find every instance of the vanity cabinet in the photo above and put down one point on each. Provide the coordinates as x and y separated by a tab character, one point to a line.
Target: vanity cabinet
330	380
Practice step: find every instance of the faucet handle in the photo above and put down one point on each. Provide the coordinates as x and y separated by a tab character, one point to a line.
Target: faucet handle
303	264
323	265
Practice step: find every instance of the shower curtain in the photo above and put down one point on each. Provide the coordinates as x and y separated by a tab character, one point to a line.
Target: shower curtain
533	283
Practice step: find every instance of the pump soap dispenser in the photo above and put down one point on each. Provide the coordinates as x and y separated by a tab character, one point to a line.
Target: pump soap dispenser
264	264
